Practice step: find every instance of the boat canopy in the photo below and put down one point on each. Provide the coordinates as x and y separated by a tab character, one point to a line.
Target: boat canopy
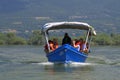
67	25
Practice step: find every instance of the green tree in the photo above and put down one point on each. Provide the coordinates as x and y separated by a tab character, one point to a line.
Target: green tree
2	39
116	39
102	39
36	38
12	39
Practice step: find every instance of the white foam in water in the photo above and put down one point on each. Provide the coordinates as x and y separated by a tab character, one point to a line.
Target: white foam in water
72	64
77	64
45	63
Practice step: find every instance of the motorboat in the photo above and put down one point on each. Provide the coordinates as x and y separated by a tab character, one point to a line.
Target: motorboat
67	53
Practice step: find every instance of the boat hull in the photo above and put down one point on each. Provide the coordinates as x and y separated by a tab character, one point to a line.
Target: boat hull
65	54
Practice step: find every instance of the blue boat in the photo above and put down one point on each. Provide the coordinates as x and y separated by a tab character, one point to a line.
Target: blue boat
67	53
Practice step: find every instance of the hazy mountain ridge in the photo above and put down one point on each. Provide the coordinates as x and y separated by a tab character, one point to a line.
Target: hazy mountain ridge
10	6
28	14
64	5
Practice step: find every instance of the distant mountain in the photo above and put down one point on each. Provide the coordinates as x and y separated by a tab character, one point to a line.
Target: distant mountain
30	14
55	7
10	6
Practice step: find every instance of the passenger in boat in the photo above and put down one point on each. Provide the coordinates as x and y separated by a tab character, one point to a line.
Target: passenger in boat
83	46
55	43
51	45
81	43
66	39
76	44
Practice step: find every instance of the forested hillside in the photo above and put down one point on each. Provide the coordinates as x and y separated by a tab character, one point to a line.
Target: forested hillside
28	15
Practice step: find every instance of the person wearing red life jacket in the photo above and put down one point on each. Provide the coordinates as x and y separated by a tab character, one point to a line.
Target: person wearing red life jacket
51	45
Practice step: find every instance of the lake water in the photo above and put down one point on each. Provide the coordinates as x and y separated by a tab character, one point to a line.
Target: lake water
30	63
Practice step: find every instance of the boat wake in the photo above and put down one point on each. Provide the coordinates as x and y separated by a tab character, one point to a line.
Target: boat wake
66	67
72	64
45	63
77	64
